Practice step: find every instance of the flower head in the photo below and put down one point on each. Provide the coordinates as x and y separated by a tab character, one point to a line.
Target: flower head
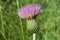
29	11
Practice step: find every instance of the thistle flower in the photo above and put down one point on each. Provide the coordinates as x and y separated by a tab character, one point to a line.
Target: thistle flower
29	11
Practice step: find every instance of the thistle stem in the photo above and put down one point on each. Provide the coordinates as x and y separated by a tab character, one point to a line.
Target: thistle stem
34	36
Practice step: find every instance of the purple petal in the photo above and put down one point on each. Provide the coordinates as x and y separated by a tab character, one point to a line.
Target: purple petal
29	11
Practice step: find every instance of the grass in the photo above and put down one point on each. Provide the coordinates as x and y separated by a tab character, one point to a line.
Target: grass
12	27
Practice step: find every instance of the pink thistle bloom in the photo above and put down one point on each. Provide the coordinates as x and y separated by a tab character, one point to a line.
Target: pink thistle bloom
29	11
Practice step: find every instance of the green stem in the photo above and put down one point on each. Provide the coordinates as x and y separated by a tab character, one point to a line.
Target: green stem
46	36
20	22
2	21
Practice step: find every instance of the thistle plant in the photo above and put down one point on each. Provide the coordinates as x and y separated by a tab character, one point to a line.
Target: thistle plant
29	13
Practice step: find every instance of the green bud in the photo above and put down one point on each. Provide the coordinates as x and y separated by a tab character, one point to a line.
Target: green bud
32	26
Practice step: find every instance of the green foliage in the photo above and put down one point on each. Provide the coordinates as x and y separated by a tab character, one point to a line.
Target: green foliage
12	27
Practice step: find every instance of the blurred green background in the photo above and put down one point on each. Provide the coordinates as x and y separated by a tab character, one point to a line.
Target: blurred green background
12	27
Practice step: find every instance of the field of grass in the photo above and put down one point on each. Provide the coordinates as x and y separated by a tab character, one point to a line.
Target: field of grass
12	27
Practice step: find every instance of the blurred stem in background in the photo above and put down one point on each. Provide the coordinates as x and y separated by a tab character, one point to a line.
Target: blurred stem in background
46	35
2	24
22	32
